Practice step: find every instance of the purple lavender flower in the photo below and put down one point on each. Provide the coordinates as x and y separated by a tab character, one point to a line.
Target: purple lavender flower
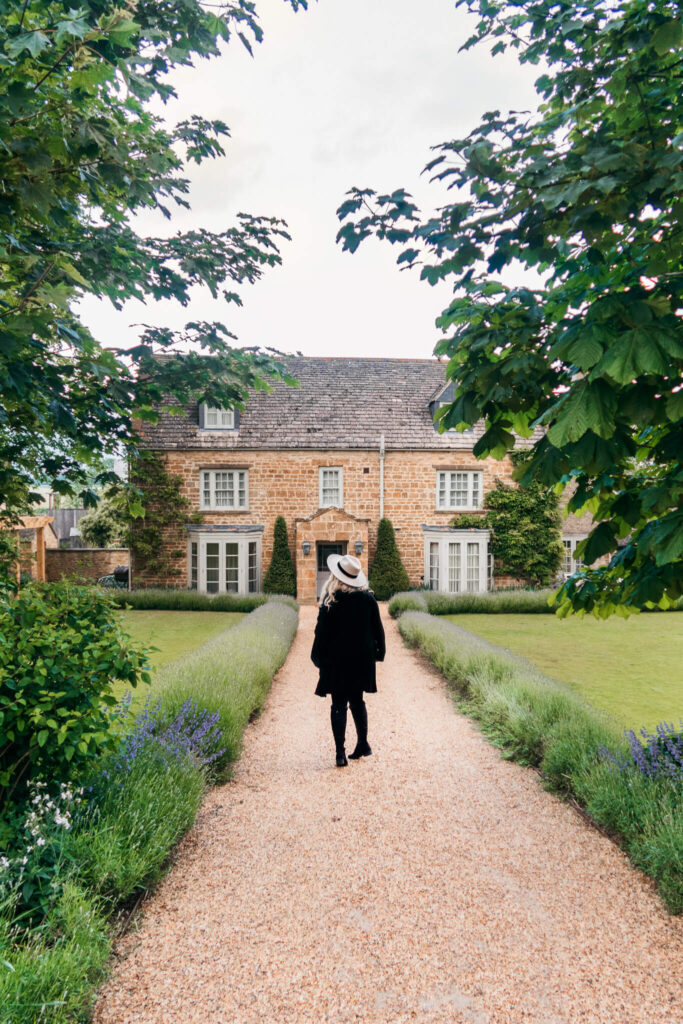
194	732
658	755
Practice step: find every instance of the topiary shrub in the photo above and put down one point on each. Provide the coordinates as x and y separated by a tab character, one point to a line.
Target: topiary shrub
280	577
387	574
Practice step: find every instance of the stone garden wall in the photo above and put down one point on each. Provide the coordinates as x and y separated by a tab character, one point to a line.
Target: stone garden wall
85	563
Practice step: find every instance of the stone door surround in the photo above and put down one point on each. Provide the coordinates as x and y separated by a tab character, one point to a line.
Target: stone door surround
332	526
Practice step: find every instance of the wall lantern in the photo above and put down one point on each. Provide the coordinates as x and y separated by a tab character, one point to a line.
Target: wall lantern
358	547
306	547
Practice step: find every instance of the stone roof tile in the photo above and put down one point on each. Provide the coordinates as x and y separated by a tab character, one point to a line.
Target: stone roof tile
341	404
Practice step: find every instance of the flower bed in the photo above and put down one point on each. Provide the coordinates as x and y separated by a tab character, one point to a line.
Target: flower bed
580	753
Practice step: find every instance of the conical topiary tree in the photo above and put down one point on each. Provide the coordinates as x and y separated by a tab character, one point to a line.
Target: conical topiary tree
387	575
280	578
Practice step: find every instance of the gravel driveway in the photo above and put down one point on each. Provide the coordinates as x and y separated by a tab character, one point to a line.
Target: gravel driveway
432	882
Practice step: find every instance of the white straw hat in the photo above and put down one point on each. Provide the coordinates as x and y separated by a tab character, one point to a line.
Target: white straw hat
347	569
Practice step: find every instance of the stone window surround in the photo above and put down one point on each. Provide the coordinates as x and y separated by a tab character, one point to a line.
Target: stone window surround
331	504
469	472
213	507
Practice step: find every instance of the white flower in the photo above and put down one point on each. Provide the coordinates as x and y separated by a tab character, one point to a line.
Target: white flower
40	841
4	863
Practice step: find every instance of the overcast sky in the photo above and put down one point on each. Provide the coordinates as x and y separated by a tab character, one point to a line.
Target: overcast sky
352	92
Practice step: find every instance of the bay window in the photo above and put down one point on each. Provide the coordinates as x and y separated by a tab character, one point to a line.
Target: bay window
456	561
225	560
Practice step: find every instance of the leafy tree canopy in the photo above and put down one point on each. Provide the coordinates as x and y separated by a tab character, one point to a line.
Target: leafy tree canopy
586	192
107	525
80	154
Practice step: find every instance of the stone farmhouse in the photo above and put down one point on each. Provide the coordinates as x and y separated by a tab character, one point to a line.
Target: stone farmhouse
354	443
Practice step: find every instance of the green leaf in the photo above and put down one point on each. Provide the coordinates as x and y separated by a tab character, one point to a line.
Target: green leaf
34	42
600	542
589	406
74	274
674	406
42	737
668	37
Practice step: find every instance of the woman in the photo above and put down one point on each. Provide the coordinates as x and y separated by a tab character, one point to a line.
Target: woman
349	639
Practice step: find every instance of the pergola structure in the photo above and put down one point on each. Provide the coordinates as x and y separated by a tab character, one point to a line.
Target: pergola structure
32	528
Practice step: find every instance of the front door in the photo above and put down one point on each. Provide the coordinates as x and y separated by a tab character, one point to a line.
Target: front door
324	550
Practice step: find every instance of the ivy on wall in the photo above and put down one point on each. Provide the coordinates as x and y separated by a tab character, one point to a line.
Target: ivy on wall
165	508
525	525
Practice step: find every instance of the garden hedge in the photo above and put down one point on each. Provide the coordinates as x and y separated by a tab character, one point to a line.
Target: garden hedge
495	602
191	601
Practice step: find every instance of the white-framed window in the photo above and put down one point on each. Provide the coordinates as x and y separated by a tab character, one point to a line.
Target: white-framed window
457	561
225	563
570	563
224	489
212	418
458	489
330	487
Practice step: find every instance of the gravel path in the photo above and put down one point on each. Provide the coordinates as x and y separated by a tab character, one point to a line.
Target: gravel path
432	882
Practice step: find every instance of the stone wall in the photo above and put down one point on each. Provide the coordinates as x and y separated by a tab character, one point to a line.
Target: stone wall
286	483
84	563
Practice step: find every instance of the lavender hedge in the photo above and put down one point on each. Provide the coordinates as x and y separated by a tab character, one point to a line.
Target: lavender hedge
495	602
633	788
230	675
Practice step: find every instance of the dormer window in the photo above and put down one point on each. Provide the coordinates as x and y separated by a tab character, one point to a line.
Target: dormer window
450	430
445	396
211	418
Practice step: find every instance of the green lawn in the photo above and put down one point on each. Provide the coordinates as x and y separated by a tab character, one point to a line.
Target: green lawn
631	668
174	633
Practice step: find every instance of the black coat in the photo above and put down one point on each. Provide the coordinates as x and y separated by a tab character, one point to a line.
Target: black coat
349	639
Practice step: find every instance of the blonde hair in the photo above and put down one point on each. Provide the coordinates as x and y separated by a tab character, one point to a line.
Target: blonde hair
332	587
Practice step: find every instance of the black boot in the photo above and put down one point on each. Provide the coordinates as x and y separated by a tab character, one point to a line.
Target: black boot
360	718
338	719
